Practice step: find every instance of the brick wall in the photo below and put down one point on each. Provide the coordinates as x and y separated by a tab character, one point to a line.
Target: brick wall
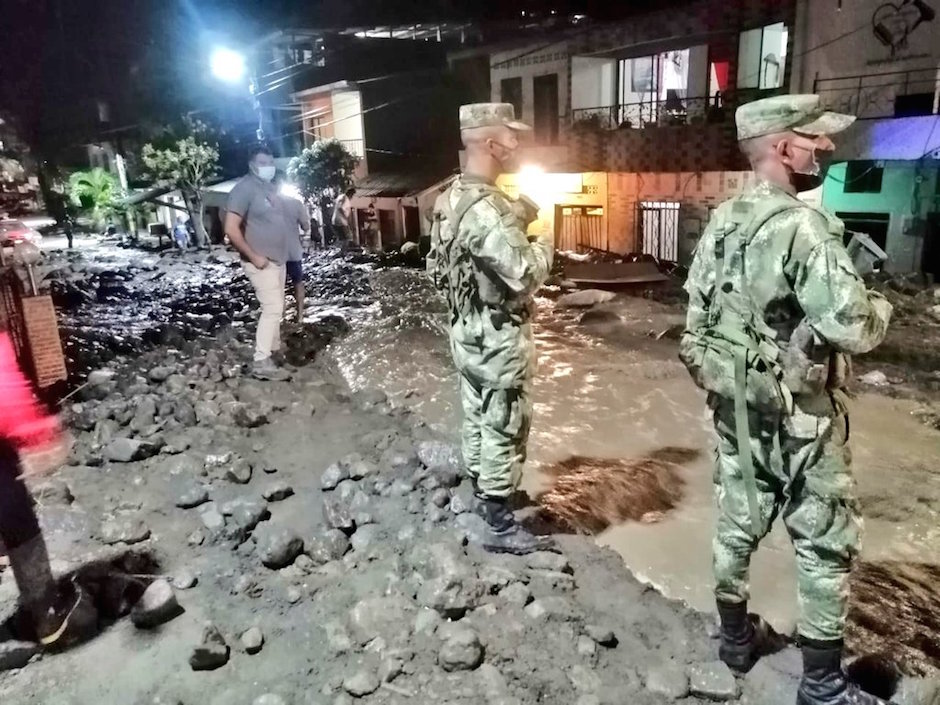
697	192
681	148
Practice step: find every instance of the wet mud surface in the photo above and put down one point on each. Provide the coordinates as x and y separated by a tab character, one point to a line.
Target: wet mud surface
611	390
329	514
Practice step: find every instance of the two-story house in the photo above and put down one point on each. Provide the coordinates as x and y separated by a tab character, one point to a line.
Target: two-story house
634	138
385	95
881	62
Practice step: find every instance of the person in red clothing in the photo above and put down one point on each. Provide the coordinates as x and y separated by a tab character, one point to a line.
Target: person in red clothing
32	442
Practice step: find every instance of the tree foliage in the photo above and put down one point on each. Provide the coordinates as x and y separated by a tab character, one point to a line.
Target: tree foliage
187	159
323	171
96	192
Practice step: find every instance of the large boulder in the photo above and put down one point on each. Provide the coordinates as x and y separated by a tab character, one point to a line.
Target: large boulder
128	450
157	605
278	546
461	650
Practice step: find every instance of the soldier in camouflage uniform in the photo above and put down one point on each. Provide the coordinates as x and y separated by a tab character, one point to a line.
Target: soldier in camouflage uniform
775	305
488	270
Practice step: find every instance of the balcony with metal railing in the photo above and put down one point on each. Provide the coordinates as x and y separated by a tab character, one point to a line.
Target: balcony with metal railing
883	95
356	147
658	112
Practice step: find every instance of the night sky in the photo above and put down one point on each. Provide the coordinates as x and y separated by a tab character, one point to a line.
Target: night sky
148	58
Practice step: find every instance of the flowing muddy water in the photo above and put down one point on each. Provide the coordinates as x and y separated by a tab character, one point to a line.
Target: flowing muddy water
612	390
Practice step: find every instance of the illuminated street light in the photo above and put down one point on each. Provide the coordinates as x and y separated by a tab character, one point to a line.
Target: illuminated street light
230	66
227	65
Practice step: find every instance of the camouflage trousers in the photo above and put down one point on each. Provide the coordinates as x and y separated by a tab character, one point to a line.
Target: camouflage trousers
494	434
810	482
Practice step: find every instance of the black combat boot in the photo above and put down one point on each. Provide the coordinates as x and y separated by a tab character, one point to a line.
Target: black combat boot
505	534
744	638
824	681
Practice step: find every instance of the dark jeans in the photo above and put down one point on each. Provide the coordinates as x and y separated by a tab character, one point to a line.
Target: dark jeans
295	272
18	522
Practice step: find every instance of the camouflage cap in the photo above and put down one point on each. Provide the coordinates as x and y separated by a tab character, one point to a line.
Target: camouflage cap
490	115
800	113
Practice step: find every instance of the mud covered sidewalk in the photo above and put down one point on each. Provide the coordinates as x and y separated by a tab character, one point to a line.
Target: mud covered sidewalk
302	543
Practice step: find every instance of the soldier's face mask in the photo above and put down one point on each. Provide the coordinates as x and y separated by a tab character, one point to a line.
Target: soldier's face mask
820	151
505	153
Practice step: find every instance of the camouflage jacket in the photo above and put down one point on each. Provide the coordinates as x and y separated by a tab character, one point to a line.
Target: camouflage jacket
488	271
797	276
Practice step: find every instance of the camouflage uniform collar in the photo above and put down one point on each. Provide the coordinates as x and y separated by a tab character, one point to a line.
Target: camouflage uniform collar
474	180
766	189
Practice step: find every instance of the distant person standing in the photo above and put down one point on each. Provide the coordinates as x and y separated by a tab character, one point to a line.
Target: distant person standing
297	217
342	215
316	231
256	225
181	233
69	226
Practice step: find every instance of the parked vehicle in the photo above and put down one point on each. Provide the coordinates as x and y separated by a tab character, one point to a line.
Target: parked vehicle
15	231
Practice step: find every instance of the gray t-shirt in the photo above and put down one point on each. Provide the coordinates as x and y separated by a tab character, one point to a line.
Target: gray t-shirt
269	225
299	220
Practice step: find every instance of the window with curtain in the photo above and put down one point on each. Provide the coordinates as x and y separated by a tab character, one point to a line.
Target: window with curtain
762	57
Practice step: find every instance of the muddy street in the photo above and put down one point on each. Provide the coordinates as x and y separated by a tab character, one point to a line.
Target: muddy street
609	389
304	542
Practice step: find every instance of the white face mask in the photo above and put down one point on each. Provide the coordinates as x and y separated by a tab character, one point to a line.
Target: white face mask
265	172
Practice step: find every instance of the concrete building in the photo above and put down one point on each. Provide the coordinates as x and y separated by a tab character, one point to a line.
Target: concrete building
390	209
381	92
634	139
880	61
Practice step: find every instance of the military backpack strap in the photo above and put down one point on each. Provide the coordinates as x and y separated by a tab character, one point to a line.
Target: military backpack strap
467	201
732	239
447	219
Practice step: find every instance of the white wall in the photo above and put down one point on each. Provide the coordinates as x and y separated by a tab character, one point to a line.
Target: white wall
347	115
527	63
593	82
819	51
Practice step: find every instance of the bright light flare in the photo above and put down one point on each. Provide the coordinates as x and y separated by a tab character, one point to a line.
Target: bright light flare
532	184
290	191
227	65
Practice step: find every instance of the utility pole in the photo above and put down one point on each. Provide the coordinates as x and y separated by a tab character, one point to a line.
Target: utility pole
256	101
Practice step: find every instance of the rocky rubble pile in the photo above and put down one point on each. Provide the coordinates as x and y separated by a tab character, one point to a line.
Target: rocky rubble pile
909	358
116	302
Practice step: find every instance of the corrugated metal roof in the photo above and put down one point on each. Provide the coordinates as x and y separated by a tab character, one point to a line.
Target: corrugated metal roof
398	184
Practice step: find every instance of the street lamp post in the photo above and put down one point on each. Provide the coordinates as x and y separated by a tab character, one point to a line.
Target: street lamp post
230	66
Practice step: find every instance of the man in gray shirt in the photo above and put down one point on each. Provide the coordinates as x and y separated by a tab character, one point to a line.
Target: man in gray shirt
259	224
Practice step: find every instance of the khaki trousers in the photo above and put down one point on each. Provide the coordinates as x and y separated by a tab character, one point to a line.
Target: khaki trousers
269	288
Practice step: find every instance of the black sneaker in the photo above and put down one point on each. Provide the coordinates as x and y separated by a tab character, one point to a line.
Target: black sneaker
72	619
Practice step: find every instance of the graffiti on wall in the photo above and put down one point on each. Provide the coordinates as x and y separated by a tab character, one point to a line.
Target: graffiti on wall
893	23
